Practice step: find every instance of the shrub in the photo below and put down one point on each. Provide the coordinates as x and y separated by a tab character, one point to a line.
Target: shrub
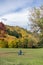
3	44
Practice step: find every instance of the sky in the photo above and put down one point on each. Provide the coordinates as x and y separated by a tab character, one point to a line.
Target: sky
17	12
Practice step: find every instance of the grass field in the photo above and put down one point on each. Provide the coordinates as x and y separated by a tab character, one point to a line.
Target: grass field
31	57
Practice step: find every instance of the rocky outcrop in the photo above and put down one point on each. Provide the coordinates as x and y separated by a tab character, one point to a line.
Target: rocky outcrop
2	26
2	30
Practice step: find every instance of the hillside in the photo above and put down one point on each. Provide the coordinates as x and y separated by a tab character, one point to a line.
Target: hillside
14	36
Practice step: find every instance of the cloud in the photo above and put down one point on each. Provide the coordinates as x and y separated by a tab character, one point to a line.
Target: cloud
17	19
7	6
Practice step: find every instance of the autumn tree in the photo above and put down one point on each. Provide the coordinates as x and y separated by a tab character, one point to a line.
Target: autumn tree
3	44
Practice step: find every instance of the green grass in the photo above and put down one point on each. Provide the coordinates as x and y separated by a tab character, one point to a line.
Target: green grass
31	56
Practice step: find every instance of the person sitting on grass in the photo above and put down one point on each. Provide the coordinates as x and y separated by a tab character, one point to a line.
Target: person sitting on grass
20	52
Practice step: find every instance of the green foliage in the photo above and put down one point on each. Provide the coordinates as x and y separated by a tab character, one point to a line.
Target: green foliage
14	33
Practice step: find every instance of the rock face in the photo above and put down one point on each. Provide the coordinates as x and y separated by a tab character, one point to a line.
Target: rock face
2	30
2	26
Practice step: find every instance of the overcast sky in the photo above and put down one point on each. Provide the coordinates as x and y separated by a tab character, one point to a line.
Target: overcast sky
16	12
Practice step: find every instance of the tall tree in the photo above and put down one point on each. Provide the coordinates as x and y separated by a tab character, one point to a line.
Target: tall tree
37	19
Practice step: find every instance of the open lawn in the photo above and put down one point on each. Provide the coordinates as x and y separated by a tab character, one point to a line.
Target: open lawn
9	56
